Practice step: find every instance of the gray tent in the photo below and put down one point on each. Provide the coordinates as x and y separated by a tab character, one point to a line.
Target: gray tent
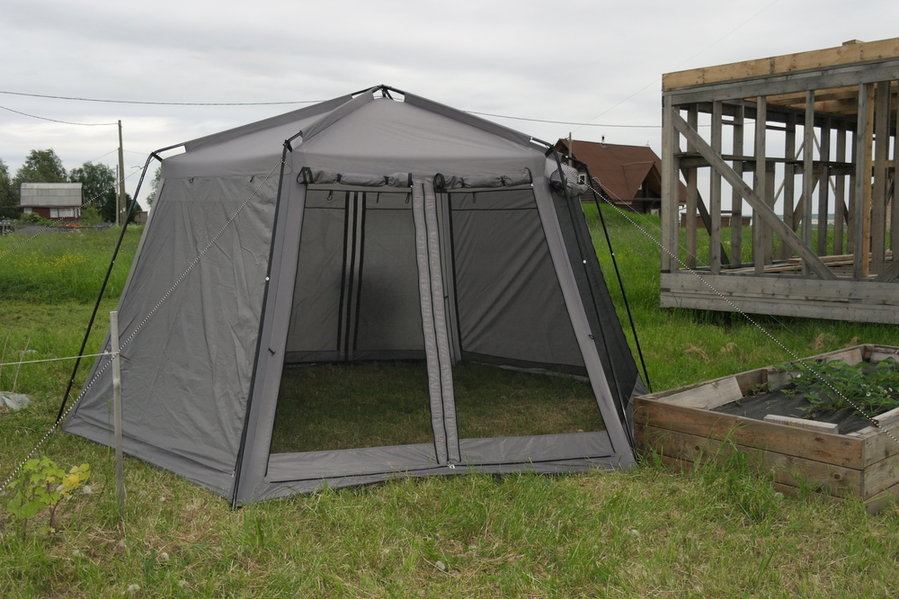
375	226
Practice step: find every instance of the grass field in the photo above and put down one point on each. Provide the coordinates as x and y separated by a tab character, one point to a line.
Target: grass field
717	532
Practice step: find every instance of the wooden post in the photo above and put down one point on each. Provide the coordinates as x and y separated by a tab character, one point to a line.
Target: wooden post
881	182
789	185
120	197
692	193
760	250
736	201
117	411
715	194
863	164
894	219
823	188
839	193
670	188
808	170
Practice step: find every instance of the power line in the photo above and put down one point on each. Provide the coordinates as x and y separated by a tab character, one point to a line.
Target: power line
521	118
160	103
43	118
155	103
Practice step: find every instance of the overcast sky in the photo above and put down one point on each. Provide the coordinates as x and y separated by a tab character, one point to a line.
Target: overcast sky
593	62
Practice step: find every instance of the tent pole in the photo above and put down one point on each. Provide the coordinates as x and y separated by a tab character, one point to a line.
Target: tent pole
627	306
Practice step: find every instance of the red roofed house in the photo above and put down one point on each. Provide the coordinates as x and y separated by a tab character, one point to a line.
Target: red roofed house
624	175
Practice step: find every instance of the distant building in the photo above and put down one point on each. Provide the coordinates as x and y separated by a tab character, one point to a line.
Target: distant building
54	201
624	175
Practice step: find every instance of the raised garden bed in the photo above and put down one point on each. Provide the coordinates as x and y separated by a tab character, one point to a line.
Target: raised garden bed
837	454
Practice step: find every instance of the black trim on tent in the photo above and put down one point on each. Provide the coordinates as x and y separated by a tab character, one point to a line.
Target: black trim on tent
268	276
362	211
589	266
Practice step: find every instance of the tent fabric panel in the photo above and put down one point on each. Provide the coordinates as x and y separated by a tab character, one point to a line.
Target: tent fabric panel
536	448
273	327
386	136
493	319
605	460
317	465
389	313
193	322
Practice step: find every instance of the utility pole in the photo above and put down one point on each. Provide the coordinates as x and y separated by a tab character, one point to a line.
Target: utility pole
120	197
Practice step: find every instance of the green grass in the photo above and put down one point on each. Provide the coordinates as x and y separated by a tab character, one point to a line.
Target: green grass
717	532
340	406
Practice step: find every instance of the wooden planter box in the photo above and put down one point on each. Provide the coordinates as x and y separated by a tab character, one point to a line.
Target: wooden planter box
680	426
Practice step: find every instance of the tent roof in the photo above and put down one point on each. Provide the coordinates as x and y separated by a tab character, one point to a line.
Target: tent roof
372	129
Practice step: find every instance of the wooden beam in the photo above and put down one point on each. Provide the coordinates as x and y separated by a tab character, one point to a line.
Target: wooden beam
760	208
864	139
839	193
692	193
789	183
736	202
879	192
823	189
816	59
670	189
715	249
808	174
894	220
759	238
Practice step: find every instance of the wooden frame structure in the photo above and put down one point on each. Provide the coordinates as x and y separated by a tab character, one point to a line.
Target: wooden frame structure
818	179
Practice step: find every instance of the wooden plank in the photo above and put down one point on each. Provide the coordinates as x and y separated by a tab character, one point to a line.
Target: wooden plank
707	396
864	139
881	175
880	444
692	193
760	209
736	215
798	289
840	76
839	192
887	417
670	189
760	185
894	219
823	447
880	476
715	249
823	188
812	425
848	53
786	469
886	498
808	170
789	184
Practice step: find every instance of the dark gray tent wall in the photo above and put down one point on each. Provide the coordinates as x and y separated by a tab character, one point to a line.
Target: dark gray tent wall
380	229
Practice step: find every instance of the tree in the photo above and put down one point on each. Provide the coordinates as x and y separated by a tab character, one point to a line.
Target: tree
8	204
99	189
154	186
41	166
98	184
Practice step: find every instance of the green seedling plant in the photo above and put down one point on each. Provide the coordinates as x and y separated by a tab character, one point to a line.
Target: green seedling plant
832	386
43	485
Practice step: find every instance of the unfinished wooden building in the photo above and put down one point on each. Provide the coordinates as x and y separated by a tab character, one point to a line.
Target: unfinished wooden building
804	144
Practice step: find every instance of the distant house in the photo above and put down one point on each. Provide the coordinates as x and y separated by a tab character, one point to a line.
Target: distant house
624	175
54	201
